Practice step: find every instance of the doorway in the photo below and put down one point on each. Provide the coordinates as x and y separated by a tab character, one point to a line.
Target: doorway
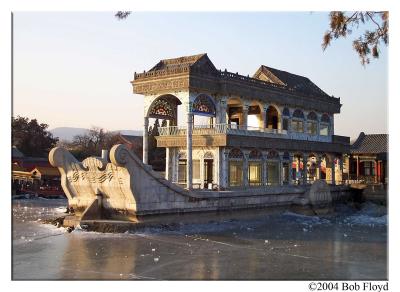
208	172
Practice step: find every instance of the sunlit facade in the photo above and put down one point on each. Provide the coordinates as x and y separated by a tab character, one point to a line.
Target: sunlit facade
274	128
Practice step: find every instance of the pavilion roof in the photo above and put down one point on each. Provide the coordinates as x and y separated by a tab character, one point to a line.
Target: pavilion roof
370	144
185	61
289	80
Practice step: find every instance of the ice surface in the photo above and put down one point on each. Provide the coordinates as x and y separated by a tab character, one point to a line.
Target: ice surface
275	246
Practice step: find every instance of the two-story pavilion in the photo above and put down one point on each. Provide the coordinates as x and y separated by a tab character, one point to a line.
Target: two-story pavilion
273	128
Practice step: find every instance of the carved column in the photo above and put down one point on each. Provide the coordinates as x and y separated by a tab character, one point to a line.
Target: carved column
246	168
290	169
168	159
358	167
146	140
280	167
264	169
223	175
318	170
189	167
341	169
264	116
304	174
222	111
333	171
245	115
318	125
263	121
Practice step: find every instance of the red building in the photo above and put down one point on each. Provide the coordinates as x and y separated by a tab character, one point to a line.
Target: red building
369	157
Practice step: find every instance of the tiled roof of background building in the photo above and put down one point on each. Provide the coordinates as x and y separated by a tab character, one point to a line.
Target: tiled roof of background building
373	143
290	80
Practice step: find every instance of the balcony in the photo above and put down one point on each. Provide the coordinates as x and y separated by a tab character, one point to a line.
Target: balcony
240	130
222	129
225	135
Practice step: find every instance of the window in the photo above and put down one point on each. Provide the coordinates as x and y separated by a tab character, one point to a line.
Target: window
196	169
235	173
324	129
369	169
254	173
312	128
182	171
273	172
297	126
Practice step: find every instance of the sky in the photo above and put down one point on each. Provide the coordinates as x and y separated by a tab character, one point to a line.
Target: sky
73	69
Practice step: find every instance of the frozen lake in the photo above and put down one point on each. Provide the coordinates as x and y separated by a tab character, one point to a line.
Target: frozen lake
350	244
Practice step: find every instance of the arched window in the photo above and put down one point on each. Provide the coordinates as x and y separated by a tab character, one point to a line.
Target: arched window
255	168
312	123
298	114
286	112
273	168
235	153
324	125
255	154
203	105
285	119
325	119
272	118
235	168
164	107
297	121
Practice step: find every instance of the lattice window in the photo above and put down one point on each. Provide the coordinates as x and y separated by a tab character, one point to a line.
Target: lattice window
255	154
203	105
162	109
298	114
312	116
325	119
273	155
235	154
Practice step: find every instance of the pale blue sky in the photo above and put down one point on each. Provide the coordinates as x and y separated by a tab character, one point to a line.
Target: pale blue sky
73	69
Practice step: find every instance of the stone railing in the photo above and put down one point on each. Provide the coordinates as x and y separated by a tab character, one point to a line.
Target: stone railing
245	131
221	129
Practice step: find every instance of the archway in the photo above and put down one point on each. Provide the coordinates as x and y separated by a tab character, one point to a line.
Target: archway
273	168
298	121
235	112
204	111
272	118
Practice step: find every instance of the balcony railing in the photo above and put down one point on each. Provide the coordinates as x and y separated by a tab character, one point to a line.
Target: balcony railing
220	129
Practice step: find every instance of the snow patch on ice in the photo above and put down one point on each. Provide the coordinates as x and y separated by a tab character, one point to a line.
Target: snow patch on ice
366	220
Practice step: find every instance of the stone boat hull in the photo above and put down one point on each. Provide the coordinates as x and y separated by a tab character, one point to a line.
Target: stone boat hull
125	189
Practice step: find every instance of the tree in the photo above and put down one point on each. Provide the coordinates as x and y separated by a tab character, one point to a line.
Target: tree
122	14
367	44
92	142
32	138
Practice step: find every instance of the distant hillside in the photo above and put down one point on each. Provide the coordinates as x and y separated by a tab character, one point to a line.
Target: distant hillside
68	133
